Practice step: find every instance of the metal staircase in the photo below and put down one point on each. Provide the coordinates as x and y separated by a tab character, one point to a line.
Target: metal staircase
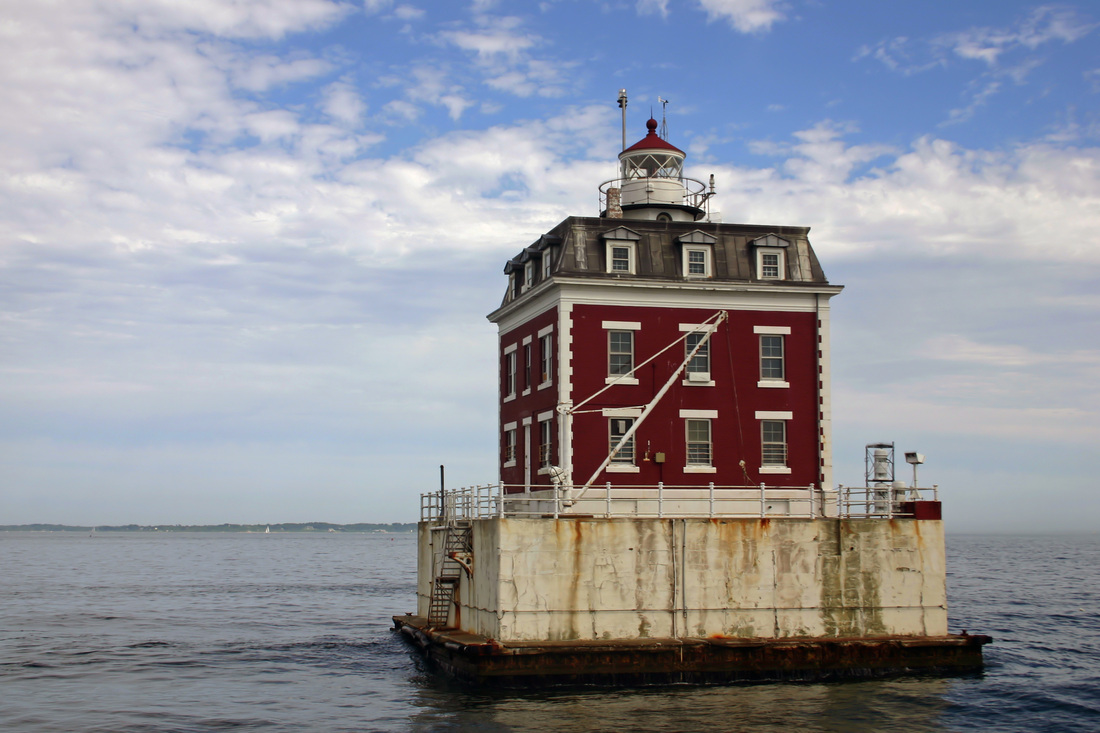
457	554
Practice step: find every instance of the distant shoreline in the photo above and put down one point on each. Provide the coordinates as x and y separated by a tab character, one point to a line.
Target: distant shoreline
283	528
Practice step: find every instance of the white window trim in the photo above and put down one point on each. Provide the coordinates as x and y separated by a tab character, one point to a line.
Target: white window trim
512	427
510	350
773	331
542	418
760	252
708	260
547	331
690	330
633	413
622	326
776	415
708	415
622	412
632	256
622	468
527	340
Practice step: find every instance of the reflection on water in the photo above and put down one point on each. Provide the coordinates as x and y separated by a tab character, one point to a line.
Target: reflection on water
897	705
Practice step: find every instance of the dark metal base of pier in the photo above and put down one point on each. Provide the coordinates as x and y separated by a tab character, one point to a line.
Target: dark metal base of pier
482	661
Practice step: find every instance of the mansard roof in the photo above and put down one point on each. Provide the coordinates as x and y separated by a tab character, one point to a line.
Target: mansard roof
578	247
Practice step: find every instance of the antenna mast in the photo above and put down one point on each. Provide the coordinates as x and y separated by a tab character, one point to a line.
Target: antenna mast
622	104
664	118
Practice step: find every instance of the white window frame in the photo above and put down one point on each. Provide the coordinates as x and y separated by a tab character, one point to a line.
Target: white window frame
631	256
510	432
708	259
709	416
620	377
782	332
781	266
625	457
632	414
510	372
546	441
546	357
527	366
546	262
529	275
775	416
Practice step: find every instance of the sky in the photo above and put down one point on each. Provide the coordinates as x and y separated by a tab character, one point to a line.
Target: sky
247	247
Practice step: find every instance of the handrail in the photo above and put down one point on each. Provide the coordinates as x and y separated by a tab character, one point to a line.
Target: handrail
668	500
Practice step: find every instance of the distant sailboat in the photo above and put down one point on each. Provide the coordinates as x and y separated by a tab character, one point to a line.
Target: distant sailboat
268	530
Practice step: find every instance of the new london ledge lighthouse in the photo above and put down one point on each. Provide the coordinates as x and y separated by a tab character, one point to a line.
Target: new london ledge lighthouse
665	509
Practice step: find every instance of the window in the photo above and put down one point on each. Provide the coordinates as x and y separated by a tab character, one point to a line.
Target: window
526	367
771	357
529	274
621	260
619	427
546	358
698	443
510	373
773	443
697	261
620	352
545	442
700	363
510	446
546	265
769	264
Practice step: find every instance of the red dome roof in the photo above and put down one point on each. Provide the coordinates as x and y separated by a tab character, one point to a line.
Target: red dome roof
652	141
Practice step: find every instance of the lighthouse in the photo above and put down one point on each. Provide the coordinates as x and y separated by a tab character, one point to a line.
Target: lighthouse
664	508
651	345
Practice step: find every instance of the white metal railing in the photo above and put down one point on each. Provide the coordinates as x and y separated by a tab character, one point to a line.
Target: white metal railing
660	500
667	500
882	502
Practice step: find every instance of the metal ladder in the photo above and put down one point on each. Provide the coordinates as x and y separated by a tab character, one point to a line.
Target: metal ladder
457	540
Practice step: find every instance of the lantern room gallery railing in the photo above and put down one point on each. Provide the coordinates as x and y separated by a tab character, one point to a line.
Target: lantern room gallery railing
666	500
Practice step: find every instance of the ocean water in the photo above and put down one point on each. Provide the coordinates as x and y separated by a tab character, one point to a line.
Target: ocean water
242	632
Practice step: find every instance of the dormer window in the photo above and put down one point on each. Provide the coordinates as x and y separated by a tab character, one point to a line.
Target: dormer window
622	251
622	258
770	264
697	262
529	274
771	257
546	264
697	254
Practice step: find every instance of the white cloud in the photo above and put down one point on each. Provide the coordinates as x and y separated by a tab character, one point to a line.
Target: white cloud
343	103
746	16
1035	202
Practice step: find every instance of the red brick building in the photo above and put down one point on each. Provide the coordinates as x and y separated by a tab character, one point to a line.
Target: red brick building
651	344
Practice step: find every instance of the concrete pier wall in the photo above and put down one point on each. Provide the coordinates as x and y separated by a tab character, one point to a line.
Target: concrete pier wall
565	579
